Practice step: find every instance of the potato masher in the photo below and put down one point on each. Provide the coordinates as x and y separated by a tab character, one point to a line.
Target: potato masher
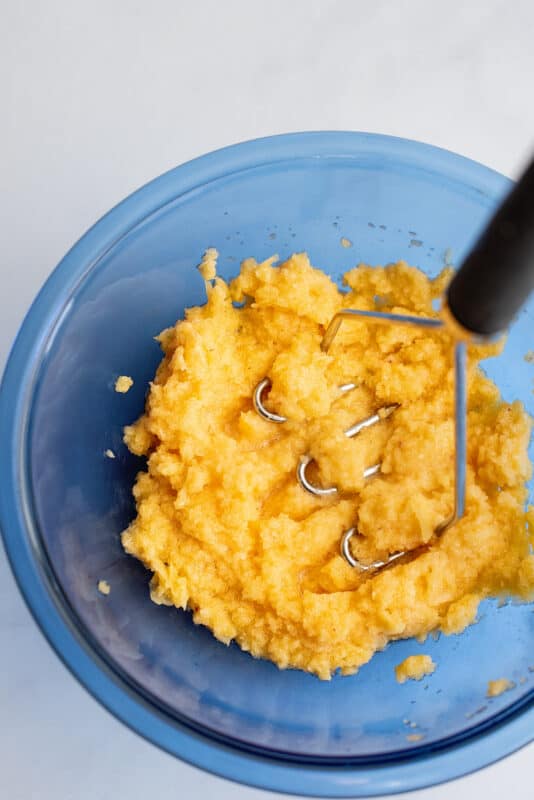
481	301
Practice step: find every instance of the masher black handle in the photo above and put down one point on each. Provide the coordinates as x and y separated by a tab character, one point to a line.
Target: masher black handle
497	276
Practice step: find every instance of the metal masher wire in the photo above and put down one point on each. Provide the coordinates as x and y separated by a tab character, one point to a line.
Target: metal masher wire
354	430
270	416
460	439
460	428
306	460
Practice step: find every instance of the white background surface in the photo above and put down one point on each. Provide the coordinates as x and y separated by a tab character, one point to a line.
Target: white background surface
99	97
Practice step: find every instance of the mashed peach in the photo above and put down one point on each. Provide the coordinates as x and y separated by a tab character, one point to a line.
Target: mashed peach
123	384
228	533
499	686
414	668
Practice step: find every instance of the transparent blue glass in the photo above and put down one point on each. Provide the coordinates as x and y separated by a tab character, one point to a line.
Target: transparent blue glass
63	504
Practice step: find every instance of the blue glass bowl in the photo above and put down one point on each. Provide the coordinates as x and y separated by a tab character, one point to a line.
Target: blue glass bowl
63	504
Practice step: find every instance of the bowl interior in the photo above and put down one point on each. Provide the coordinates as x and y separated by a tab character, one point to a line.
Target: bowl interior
389	208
